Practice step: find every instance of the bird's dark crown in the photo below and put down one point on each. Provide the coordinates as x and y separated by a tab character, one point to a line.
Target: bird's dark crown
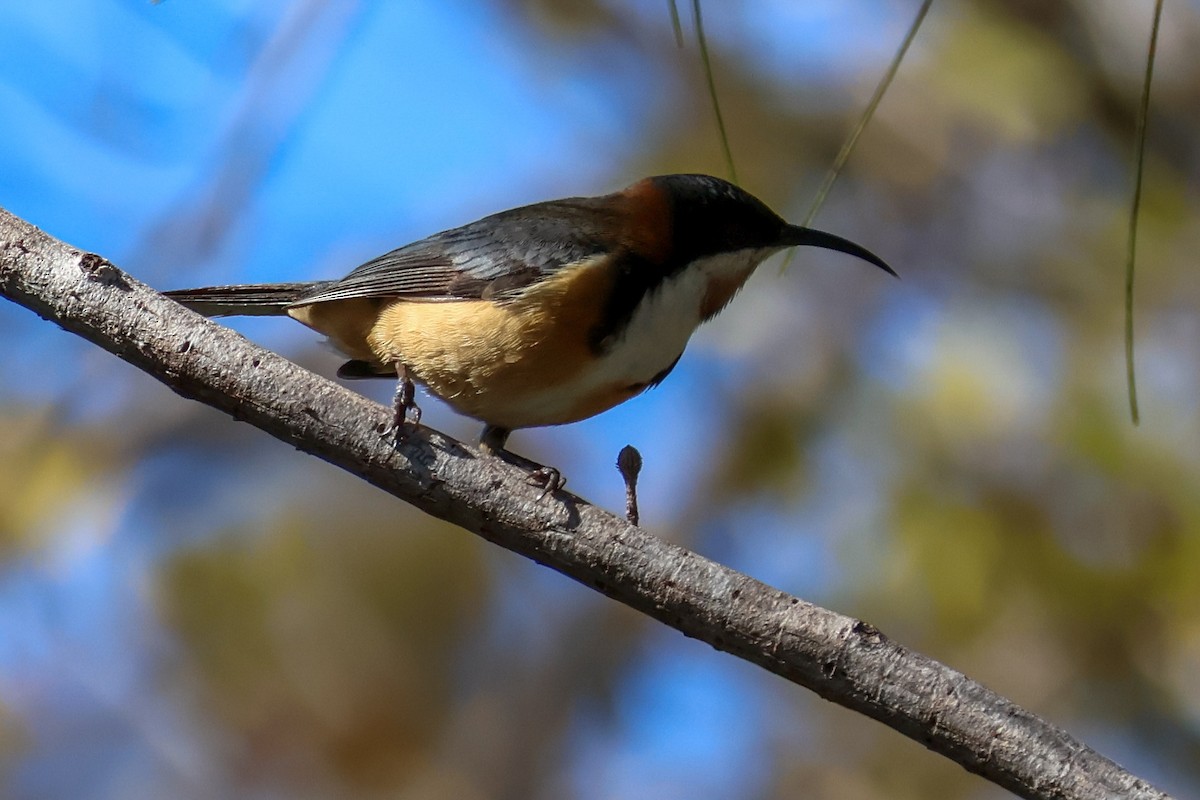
710	216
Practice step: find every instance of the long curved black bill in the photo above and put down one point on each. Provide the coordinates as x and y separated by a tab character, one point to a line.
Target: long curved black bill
796	235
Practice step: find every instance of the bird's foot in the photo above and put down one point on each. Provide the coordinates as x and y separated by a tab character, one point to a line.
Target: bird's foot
548	478
405	411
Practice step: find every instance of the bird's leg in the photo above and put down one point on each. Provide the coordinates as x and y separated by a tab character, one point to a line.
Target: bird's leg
404	406
493	438
492	441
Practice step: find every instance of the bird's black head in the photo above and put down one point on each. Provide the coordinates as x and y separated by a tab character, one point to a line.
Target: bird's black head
710	216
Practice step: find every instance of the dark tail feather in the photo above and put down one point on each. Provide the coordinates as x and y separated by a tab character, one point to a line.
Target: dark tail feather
246	300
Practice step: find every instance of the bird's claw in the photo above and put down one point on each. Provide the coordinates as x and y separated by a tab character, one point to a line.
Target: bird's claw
549	478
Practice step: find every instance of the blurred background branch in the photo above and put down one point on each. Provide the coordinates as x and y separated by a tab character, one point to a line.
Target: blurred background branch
1135	208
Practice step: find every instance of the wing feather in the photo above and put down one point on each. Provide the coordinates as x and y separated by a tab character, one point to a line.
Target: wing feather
494	258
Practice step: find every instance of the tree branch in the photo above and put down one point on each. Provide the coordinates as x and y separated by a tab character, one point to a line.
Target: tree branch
842	659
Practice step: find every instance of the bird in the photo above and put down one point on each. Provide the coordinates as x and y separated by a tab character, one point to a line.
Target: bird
540	315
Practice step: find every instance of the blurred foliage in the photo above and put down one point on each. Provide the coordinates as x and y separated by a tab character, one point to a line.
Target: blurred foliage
50	479
327	646
950	453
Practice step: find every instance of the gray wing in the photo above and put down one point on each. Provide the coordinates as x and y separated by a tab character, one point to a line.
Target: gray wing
492	258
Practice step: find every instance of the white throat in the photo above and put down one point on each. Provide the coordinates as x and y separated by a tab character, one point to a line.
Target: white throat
666	317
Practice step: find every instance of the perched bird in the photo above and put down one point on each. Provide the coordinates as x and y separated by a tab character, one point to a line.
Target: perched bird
545	314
